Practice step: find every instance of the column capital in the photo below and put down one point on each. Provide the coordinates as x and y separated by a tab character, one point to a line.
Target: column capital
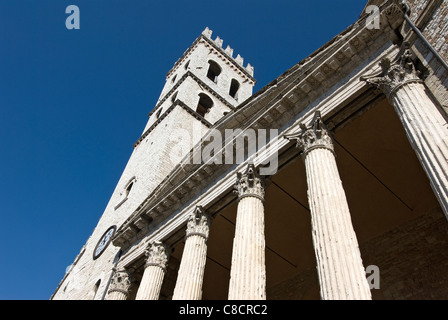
313	137
250	184
394	73
121	281
198	223
157	255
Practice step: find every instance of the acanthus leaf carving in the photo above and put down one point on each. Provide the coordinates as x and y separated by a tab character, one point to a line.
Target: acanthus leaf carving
312	137
157	255
198	223
250	183
121	281
394	73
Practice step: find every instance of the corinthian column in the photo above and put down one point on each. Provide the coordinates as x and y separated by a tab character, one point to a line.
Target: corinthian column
191	270
119	285
155	269
340	269
248	271
425	126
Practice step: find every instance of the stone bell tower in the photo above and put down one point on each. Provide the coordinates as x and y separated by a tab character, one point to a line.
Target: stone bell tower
207	79
204	85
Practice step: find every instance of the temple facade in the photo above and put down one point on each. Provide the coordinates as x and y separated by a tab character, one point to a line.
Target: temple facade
341	192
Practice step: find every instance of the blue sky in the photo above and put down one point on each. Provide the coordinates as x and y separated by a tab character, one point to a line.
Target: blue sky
72	103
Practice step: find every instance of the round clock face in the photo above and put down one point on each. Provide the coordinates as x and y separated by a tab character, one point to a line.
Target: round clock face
104	242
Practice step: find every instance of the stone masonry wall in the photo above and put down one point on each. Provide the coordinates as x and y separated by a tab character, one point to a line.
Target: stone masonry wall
412	258
435	29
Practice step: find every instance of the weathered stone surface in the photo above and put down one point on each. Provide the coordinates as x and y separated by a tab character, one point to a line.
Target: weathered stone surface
120	285
155	269
339	263
248	271
191	270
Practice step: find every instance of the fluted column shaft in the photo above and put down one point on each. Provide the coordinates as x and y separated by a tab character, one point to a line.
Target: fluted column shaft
341	272
339	264
426	128
192	266
119	285
427	132
155	269
116	295
248	270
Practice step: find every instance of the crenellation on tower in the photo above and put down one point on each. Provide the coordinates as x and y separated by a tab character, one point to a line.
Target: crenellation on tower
218	42
229	51
207	32
250	68
239	59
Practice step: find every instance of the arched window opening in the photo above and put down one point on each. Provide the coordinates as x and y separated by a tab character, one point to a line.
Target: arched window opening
213	71
129	187
126	191
187	64
234	87
204	105
174	78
